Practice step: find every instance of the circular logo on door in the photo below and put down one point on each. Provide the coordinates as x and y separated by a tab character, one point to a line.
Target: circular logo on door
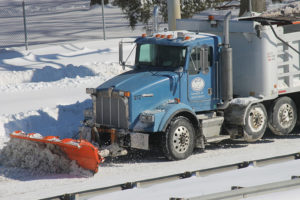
198	84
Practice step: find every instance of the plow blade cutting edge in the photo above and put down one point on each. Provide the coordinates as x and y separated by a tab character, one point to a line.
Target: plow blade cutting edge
83	152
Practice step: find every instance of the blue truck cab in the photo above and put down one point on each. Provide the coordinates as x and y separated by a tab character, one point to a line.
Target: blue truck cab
168	99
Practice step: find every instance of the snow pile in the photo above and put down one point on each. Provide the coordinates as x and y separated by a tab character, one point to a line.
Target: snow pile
40	158
287	10
61	121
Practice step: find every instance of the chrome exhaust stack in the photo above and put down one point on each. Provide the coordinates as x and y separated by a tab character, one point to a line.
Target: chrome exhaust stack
226	70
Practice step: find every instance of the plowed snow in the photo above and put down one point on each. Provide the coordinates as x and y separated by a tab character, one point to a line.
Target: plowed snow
39	158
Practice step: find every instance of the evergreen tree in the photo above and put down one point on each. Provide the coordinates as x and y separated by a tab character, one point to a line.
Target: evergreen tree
141	10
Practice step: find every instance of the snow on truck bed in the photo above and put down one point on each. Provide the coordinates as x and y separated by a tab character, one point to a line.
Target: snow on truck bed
289	10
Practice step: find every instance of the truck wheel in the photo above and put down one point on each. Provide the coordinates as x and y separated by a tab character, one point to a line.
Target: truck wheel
282	116
179	139
256	123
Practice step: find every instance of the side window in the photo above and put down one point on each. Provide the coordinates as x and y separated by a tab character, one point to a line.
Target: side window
194	64
201	59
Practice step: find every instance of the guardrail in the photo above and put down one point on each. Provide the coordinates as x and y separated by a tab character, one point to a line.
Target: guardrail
242	193
199	173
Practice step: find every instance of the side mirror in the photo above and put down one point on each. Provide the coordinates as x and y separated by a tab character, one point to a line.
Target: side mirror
121	62
179	70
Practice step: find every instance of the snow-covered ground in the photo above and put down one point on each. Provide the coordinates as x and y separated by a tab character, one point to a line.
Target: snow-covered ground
59	21
215	183
43	90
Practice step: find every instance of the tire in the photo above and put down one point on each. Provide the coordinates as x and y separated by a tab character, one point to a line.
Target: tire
179	139
256	122
282	116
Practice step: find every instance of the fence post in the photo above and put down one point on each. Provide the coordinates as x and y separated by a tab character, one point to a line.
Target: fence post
103	22
25	29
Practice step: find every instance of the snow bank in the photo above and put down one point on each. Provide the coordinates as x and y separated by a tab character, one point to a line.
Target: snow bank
62	121
288	10
39	158
44	90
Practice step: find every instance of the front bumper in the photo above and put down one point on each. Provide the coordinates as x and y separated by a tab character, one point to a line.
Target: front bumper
122	138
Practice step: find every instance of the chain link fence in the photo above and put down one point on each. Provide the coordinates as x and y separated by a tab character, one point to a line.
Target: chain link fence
59	21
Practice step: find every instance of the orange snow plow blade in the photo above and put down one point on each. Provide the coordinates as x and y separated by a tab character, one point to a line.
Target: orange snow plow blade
83	152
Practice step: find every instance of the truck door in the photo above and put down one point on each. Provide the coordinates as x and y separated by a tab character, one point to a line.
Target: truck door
200	83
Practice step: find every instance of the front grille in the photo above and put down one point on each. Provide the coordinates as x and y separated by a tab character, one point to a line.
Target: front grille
111	109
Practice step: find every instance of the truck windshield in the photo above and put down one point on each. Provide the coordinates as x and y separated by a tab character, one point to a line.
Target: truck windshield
160	56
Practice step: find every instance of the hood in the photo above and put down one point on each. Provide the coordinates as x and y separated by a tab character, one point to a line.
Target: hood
137	82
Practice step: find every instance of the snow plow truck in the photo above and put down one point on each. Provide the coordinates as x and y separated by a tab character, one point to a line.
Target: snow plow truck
219	79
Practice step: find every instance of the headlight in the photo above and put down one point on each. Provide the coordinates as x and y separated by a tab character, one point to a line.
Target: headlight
147	118
90	90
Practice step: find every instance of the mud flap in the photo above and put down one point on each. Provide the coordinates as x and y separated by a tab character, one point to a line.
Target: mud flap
83	152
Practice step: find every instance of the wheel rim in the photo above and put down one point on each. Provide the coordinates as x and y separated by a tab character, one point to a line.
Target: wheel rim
285	115
181	139
256	119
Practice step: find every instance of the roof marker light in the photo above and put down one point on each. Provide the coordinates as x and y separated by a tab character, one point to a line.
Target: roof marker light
157	35
162	36
211	17
144	35
169	36
187	37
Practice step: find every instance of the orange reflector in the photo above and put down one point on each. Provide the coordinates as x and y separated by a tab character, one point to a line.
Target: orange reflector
177	100
113	137
211	17
144	35
187	38
170	36
83	152
157	35
298	22
127	94
282	91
